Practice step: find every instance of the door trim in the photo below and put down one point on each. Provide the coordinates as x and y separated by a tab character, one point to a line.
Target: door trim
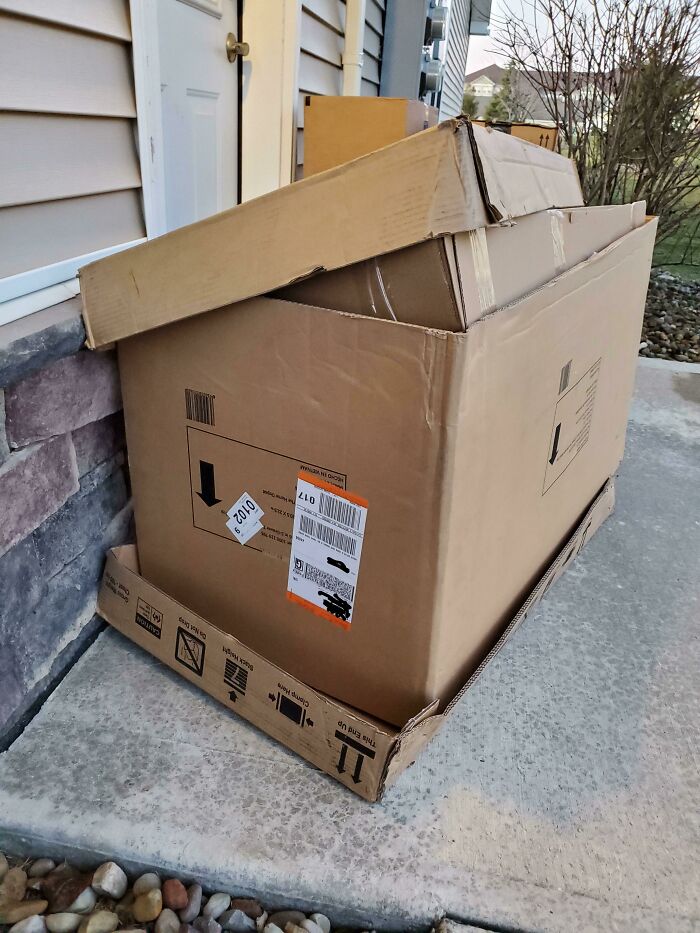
146	60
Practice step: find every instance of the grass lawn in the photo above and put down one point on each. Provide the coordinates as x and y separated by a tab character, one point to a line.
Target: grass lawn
672	249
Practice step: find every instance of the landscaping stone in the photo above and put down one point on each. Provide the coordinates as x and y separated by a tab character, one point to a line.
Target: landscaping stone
34	483
33	924
31	343
63	922
322	921
98	441
110	881
282	917
194	902
672	319
206	925
41	867
167	922
145	883
174	894
12	912
216	905
272	928
147	906
237	921
13	886
4	866
125	908
248	905
62	397
84	903
101	921
310	926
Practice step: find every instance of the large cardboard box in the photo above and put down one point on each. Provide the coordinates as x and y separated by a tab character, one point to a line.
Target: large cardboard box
399	489
452	281
358	751
448	179
338	129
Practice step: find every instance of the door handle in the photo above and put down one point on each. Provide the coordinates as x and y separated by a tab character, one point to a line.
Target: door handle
234	48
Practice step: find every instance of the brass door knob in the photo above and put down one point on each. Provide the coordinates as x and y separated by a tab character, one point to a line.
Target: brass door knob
234	48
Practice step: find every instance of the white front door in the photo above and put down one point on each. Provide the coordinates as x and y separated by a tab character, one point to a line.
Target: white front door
199	96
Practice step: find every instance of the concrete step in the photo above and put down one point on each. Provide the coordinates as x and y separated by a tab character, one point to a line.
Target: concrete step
563	793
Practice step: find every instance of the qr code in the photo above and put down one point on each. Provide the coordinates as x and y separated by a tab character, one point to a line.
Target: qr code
329	582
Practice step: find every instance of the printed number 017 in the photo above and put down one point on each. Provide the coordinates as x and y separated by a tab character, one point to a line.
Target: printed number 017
242	513
305	497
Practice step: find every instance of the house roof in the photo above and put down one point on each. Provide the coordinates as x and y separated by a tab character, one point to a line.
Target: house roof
493	72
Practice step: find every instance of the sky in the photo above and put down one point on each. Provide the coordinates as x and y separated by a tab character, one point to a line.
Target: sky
482	49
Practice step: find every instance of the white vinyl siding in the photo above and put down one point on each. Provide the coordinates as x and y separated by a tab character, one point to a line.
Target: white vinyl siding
70	183
455	64
321	55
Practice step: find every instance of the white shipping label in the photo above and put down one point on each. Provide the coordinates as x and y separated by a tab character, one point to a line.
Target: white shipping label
244	518
329	528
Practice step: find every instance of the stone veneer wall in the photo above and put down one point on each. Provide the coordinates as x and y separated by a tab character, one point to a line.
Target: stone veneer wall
64	499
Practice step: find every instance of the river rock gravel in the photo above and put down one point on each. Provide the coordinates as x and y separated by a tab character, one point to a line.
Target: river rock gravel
672	319
63	899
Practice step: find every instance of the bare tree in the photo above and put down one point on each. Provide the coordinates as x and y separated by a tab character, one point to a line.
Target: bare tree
621	78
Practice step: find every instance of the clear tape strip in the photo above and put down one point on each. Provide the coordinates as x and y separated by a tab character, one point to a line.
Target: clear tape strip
374	277
482	269
556	220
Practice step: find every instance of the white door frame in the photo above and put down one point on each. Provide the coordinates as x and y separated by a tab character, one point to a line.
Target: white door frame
144	44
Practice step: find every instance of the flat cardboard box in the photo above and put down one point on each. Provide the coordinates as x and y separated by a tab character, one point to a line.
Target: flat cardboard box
446	471
452	281
358	751
447	179
339	129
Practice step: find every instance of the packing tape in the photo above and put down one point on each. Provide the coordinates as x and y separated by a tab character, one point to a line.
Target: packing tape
482	269
556	220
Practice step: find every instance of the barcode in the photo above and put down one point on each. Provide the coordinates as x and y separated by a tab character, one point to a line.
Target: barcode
340	511
329	581
199	406
328	535
565	376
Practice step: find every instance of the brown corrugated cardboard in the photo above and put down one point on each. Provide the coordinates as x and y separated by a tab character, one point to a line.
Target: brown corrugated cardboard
450	178
452	281
358	751
457	464
338	129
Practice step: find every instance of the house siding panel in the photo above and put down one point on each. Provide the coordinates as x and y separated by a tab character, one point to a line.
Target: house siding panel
455	59
321	62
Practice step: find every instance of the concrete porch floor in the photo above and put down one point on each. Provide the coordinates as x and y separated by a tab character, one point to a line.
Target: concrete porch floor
564	793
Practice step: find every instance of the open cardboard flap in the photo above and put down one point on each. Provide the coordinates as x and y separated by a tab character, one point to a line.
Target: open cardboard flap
357	750
450	178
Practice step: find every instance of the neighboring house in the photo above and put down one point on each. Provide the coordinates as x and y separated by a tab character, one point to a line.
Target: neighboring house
121	120
487	82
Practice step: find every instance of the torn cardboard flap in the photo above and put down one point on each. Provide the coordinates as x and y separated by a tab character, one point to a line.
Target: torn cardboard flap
421	187
358	751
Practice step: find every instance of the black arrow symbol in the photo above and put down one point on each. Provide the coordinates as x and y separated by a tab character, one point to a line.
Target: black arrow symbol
340	767
358	768
206	478
309	722
233	696
555	445
272	696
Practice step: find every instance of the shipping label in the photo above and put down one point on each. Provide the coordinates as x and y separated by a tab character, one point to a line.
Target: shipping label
329	528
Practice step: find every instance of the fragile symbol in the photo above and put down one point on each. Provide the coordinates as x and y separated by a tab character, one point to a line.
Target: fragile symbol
555	444
363	751
206	478
189	651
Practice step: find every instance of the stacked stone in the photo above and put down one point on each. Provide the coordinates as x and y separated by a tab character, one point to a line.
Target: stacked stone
41	897
63	499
